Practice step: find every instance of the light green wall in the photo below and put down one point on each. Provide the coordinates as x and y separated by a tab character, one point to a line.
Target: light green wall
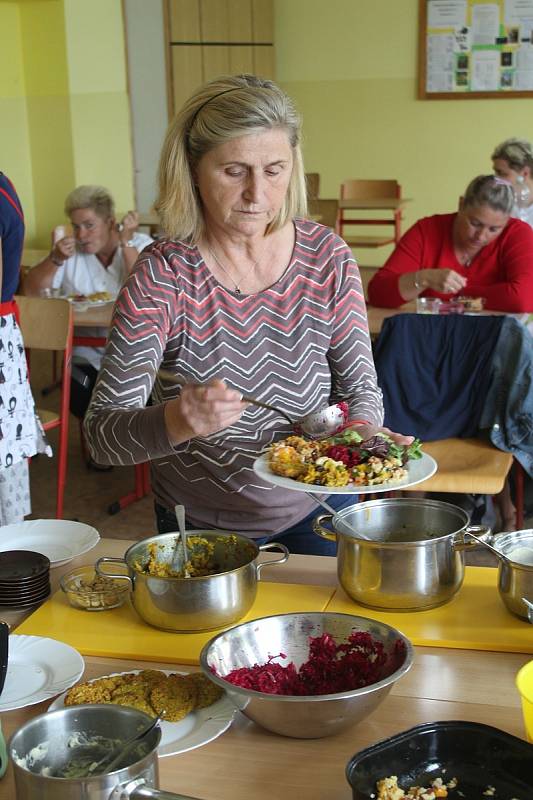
63	105
15	155
96	58
351	67
48	109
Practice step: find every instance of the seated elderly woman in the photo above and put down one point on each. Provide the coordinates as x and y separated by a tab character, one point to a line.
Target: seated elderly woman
479	251
245	297
513	161
95	260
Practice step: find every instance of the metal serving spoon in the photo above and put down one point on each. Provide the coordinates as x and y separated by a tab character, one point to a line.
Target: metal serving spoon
317	425
111	760
496	552
181	544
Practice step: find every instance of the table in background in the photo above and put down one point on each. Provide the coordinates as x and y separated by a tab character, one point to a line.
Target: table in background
247	762
100	316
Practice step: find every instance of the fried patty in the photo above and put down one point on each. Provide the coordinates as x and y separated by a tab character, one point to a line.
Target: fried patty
151	691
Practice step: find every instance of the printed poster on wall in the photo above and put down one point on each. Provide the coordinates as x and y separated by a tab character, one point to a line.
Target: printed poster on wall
476	48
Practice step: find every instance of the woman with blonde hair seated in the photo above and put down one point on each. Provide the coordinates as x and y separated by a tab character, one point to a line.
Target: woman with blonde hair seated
95	259
513	161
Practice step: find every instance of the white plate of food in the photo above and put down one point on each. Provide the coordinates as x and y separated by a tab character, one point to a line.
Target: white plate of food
60	540
417	471
197	728
38	669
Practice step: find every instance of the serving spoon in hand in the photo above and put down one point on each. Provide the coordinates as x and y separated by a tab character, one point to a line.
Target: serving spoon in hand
316	425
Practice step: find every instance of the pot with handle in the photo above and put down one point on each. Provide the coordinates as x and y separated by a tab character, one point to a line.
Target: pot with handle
202	603
42	745
515	570
411	557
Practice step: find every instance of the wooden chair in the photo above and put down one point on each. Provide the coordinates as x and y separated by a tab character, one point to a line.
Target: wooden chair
312	181
46	324
324	210
370	196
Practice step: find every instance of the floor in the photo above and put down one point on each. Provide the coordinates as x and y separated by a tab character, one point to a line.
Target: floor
89	493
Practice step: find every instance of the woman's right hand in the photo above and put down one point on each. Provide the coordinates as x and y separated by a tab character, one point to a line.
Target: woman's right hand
63	249
202	409
445	281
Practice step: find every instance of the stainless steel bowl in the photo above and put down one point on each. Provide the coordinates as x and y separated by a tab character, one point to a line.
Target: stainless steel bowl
197	603
305	717
515	572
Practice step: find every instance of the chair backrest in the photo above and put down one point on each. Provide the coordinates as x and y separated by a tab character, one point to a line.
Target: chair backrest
355	189
45	323
325	209
312	182
434	372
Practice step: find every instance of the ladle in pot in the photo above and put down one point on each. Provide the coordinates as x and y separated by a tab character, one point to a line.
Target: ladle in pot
497	553
316	425
529	607
181	544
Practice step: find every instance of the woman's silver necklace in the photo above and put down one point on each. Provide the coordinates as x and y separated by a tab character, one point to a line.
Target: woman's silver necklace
226	272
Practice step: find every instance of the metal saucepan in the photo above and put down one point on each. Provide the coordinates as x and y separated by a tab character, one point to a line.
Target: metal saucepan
410	555
515	569
138	780
194	603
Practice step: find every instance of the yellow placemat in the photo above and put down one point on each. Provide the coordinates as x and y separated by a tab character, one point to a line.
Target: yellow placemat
475	619
121	633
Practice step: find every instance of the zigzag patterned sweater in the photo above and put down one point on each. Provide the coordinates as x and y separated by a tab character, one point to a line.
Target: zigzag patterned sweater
299	345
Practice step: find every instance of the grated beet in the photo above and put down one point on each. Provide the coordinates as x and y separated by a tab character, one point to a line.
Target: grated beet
330	668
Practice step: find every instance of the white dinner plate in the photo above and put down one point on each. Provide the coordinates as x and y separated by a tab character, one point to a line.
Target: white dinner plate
38	669
417	471
198	727
60	540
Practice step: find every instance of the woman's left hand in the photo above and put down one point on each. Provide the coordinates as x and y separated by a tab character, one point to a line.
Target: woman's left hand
367	431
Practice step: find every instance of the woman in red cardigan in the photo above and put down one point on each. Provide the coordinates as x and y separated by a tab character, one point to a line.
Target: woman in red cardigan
480	251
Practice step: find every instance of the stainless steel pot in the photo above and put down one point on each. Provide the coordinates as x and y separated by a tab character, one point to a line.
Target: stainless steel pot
411	557
194	604
515	574
136	781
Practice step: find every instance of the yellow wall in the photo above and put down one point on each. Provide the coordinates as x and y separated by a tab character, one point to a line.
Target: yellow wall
63	91
351	67
15	156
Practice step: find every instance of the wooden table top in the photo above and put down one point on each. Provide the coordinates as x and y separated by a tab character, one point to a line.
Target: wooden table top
94	316
247	762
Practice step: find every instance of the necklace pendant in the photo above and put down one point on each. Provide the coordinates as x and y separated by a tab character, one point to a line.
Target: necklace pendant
237	290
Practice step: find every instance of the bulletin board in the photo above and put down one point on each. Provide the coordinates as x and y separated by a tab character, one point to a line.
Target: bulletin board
475	49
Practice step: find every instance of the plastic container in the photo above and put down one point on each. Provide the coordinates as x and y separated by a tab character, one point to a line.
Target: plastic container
478	756
89	591
524	684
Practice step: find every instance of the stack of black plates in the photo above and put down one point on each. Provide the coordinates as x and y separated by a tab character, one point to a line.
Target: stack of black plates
24	578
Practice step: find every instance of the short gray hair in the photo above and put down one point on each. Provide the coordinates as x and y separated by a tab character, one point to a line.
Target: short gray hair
221	110
489	190
517	152
97	198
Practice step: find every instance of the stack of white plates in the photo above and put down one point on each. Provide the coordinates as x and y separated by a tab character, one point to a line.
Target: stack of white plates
24	578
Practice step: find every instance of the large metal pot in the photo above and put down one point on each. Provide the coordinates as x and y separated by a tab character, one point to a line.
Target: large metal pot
196	603
134	781
515	571
409	556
